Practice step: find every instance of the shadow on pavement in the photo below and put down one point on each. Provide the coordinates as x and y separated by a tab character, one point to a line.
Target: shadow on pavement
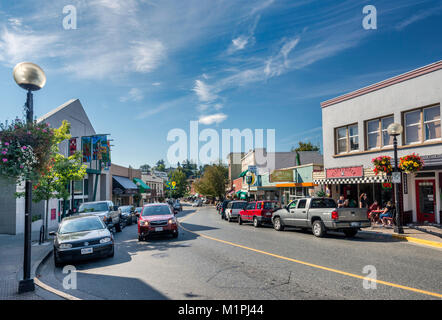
196	227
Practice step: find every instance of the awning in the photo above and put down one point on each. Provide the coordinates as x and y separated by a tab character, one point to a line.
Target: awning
143	187
241	194
242	174
125	184
373	179
290	184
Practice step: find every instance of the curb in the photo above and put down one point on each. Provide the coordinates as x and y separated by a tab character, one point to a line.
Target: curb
429	243
45	286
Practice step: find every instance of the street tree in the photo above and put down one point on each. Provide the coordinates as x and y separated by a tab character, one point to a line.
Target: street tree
213	182
179	177
305	146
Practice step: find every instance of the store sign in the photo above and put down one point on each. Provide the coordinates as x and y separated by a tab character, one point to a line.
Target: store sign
405	188
346	172
396	177
432	160
281	176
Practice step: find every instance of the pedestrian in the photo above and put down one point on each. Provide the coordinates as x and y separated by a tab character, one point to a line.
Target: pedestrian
353	203
374	216
387	214
363	201
341	202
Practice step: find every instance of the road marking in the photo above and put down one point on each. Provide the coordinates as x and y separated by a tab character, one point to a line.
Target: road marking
434	294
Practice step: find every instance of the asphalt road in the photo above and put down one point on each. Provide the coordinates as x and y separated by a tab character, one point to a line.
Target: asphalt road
215	259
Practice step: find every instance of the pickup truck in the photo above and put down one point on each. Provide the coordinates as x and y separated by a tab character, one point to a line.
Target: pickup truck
320	215
106	210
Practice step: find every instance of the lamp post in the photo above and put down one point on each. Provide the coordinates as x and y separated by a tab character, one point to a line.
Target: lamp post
394	130
30	77
249	177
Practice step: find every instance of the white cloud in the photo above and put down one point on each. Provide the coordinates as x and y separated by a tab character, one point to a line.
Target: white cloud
134	95
240	42
18	46
204	91
213	118
156	84
417	17
147	55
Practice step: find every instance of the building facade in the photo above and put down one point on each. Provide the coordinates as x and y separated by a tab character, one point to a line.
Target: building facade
351	142
127	187
156	185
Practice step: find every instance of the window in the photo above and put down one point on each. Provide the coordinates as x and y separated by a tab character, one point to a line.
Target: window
347	139
302	204
293	204
422	125
250	206
259	205
377	135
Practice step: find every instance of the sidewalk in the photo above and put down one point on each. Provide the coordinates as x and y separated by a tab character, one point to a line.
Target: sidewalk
11	266
410	235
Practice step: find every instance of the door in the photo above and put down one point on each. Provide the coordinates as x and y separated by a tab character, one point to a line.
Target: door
300	218
425	200
289	217
249	212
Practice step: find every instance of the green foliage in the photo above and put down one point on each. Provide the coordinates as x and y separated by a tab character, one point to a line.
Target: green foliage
213	182
305	146
180	178
160	166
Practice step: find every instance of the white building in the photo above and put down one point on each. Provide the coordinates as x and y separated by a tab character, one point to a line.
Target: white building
12	209
354	132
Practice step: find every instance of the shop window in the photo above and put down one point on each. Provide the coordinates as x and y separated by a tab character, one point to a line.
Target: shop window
377	134
347	139
422	125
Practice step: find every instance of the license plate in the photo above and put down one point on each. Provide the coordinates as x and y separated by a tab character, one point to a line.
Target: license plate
87	250
355	224
159	229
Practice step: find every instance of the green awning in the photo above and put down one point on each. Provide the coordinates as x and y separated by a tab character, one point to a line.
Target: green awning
243	173
142	186
241	194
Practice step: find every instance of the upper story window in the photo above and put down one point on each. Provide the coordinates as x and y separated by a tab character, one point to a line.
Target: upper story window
347	139
422	125
377	135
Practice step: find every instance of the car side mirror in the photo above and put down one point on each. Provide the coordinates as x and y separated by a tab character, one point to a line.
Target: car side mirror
52	233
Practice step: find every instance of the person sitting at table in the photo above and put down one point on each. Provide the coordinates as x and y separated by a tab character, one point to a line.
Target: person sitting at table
341	202
372	212
346	203
387	213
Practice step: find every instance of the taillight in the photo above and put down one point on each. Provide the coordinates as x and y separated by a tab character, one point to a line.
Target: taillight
335	215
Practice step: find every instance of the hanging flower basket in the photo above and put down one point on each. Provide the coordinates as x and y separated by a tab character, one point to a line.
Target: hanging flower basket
24	149
411	163
382	164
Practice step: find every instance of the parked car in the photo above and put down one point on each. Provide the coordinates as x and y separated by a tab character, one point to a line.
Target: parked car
156	219
128	215
222	209
197	203
82	237
137	210
258	212
233	208
106	211
320	215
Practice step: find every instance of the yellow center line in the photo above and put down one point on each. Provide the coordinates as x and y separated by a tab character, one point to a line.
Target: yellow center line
434	294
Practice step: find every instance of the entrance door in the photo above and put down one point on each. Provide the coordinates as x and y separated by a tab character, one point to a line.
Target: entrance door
425	200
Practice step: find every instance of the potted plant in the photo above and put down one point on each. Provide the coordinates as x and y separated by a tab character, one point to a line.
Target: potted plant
382	164
411	163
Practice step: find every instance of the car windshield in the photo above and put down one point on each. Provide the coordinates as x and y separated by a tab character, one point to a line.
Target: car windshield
82	224
270	205
156	211
239	205
93	207
323	203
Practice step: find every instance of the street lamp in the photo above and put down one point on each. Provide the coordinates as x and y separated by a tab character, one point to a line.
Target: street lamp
30	77
249	177
394	130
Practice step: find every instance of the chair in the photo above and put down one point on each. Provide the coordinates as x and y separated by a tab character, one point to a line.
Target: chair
393	219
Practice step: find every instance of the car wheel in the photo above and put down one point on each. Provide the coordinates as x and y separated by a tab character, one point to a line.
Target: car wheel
350	233
256	223
239	220
118	227
277	225
57	262
318	228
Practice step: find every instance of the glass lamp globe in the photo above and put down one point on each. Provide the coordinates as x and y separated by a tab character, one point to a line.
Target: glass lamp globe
29	76
394	129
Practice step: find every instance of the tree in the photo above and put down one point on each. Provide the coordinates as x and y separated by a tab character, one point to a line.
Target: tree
160	166
214	180
305	146
145	168
179	177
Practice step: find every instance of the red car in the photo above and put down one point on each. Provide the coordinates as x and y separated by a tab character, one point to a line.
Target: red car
156	219
258	212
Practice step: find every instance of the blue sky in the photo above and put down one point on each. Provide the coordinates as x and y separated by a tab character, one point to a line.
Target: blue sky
141	68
